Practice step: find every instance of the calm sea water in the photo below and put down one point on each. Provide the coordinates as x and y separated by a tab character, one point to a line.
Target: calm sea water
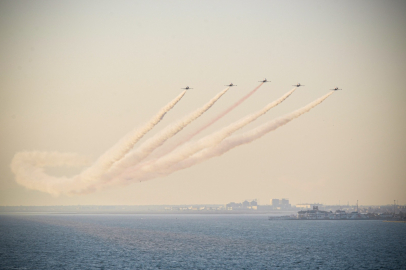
197	242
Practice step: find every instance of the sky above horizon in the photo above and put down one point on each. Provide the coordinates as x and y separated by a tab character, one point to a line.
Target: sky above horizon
76	76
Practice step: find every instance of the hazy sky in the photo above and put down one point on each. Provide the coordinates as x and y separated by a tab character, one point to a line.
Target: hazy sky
76	76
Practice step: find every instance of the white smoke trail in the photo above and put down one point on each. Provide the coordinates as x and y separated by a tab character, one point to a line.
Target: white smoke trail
189	149
214	120
120	149
223	147
49	159
28	166
244	138
151	144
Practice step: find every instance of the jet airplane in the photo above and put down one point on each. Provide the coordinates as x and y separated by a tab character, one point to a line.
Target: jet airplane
298	85
187	88
264	81
231	85
335	89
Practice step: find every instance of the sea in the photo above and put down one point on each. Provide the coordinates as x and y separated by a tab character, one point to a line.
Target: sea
159	241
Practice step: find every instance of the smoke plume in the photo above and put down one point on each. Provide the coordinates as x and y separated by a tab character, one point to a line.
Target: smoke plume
189	149
169	131
223	147
120	149
119	166
29	166
214	120
245	138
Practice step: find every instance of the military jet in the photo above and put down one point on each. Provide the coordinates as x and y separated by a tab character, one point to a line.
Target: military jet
297	85
187	88
264	81
335	89
230	85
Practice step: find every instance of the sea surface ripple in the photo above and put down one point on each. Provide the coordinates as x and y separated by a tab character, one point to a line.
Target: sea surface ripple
197	242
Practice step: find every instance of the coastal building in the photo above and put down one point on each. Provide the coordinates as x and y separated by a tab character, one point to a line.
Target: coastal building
315	213
281	204
308	205
340	214
304	205
245	205
275	202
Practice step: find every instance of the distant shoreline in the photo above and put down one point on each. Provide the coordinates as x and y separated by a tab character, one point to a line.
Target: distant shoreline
147	213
